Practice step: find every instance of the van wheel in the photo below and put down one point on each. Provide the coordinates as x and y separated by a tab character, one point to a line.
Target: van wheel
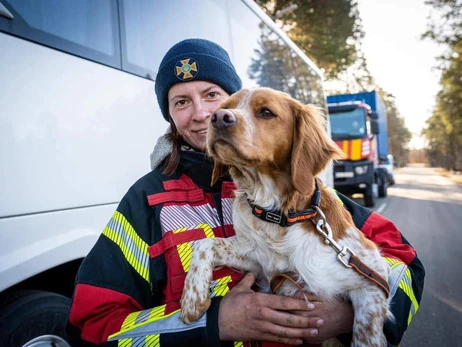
383	186
369	196
28	314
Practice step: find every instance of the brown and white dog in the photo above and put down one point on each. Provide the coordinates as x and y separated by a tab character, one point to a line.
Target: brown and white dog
274	147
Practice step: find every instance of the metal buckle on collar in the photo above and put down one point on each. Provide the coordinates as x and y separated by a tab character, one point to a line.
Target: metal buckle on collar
322	226
273	217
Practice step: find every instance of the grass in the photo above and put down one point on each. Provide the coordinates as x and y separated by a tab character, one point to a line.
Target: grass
455	176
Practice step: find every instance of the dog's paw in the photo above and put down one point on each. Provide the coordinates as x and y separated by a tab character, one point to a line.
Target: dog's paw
195	300
194	303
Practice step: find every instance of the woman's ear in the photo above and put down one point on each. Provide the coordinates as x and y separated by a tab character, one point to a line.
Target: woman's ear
312	148
219	170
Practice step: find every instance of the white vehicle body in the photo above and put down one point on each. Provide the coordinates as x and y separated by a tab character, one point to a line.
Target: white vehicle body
388	163
79	116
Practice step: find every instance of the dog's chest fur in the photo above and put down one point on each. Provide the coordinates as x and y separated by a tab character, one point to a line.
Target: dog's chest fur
298	249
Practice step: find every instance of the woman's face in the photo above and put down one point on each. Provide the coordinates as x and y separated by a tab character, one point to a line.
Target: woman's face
191	105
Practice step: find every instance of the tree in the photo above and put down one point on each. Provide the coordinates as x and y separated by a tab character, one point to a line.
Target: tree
330	33
444	127
326	30
398	134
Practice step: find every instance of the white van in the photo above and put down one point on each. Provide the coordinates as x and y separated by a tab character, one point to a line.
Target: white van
78	120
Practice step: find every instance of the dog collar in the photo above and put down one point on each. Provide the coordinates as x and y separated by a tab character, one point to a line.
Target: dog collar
293	217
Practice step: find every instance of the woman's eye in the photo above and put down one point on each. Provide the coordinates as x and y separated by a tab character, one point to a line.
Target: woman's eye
180	103
265	113
213	95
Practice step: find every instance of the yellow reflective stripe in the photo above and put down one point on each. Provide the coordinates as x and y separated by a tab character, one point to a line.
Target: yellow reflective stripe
125	343
153	315
158	311
130	320
153	340
185	249
220	286
207	230
393	262
134	249
238	344
356	149
405	284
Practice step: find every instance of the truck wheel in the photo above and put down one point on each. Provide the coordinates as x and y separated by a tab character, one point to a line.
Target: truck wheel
29	314
369	200
383	186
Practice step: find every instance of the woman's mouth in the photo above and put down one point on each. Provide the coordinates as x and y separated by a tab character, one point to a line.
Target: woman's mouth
201	132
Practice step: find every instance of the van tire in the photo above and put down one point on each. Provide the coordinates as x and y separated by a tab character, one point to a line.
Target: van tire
383	186
27	314
369	200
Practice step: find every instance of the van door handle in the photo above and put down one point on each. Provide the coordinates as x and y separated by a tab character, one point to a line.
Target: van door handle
4	12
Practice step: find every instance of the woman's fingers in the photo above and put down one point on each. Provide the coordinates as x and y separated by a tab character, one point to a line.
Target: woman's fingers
283	303
286	332
289	319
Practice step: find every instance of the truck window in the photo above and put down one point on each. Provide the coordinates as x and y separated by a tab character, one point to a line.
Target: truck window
148	29
84	28
348	124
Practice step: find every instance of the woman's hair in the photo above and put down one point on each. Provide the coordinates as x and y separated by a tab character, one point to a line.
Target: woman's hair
172	161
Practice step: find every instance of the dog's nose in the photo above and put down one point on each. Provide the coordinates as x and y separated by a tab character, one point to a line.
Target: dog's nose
223	119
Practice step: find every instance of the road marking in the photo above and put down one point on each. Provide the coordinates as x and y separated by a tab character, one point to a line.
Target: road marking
381	208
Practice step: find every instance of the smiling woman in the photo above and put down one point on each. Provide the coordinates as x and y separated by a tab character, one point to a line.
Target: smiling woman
191	106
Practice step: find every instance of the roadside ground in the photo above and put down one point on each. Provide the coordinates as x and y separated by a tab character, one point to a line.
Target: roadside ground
455	176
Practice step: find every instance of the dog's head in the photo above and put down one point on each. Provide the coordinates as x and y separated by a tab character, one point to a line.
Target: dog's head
264	128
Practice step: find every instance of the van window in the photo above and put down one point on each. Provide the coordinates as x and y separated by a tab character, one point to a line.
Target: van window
309	88
150	28
262	59
85	28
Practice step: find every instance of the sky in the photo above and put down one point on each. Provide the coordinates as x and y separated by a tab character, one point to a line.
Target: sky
400	62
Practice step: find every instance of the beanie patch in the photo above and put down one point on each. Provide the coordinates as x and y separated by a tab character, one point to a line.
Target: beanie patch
186	69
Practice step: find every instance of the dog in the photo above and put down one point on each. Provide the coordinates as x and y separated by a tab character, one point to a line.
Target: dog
286	220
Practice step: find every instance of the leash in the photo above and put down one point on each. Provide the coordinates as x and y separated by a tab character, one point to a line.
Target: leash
324	229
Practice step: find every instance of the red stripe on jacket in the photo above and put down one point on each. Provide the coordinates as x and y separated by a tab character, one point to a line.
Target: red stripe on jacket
385	234
93	305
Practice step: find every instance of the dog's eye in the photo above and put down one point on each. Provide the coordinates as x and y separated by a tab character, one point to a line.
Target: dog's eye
265	113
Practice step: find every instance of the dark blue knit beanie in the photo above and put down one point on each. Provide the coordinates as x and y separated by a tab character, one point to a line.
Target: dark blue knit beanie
195	60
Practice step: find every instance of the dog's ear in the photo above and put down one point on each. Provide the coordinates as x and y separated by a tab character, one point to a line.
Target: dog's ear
312	148
219	170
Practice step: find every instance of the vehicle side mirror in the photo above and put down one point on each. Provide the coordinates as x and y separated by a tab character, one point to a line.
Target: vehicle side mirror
375	127
374	115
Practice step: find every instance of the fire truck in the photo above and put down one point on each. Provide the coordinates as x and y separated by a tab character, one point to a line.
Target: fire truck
358	126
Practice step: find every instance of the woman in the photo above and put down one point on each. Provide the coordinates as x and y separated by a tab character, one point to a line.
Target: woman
129	286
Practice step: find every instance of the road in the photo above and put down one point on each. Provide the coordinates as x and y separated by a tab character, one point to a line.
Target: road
427	208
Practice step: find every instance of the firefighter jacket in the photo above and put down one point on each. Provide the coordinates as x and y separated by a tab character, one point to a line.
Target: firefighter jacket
128	287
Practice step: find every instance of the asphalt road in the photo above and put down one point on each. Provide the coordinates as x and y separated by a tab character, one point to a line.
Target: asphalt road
427	208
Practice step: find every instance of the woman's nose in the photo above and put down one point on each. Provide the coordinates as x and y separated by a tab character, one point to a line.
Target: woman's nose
201	112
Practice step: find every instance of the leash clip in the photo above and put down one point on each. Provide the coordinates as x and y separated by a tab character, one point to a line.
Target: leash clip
321	227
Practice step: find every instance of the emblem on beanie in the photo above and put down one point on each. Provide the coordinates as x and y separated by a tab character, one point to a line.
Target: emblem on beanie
186	69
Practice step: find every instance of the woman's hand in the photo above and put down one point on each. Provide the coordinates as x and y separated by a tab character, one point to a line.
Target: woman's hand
333	318
246	315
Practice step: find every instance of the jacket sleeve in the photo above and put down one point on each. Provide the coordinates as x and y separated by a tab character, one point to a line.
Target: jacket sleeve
407	274
117	297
